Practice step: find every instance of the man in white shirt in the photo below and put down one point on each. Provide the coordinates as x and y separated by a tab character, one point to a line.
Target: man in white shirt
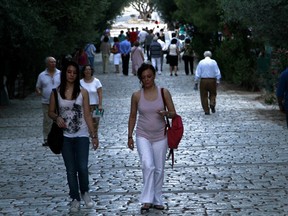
141	38
208	73
47	80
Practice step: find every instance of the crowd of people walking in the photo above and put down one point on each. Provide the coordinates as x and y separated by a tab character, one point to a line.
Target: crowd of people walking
136	46
79	95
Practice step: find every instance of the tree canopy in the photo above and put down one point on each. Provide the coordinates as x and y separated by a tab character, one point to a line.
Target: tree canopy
144	7
267	18
30	30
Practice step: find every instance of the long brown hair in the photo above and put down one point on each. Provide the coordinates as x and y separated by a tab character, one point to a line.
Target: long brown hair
62	87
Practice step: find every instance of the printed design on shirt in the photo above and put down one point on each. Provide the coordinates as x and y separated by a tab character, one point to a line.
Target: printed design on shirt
73	118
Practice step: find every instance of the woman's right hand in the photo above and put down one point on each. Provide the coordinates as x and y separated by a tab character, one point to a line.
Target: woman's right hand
131	143
60	122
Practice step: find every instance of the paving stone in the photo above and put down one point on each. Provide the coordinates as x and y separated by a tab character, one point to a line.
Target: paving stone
233	162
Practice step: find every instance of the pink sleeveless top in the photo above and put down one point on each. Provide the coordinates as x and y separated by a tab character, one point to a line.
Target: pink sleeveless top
150	124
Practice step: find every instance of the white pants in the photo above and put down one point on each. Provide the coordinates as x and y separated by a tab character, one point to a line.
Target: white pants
156	62
152	157
116	58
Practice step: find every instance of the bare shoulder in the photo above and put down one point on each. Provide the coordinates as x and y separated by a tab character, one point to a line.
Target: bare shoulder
136	95
166	91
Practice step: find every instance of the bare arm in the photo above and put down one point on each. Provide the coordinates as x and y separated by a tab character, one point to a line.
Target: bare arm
99	92
88	117
171	112
52	112
132	118
38	91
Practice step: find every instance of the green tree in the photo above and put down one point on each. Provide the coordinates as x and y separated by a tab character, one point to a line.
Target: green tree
166	9
267	18
144	7
204	15
30	30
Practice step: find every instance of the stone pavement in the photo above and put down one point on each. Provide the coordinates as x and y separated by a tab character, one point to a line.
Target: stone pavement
233	162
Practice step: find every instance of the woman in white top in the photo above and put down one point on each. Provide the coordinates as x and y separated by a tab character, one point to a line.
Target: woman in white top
94	88
173	57
75	119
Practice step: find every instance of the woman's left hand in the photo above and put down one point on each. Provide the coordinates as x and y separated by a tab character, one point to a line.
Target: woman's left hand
100	107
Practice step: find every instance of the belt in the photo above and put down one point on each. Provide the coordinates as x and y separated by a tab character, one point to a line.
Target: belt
208	78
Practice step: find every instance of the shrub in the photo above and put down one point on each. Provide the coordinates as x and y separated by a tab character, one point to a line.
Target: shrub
237	63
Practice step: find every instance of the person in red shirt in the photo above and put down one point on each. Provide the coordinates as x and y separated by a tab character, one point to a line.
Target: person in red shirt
81	58
133	36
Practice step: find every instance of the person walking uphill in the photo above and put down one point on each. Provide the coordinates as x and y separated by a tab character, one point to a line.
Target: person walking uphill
208	73
156	53
75	119
151	139
47	80
137	57
105	49
173	56
188	56
125	49
90	49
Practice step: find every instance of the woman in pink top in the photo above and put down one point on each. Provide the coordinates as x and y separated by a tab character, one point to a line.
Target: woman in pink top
151	140
137	57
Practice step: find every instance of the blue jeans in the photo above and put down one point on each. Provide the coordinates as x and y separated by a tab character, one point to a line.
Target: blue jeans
75	153
91	61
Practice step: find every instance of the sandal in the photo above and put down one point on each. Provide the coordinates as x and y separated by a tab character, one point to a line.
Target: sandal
146	207
159	207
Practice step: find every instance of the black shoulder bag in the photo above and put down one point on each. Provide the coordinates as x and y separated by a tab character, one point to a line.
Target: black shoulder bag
55	136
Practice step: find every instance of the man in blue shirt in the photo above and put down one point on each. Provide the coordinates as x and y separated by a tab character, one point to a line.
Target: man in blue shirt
90	49
208	73
125	49
282	93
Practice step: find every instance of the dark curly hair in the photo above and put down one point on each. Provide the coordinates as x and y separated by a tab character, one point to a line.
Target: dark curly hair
84	68
144	67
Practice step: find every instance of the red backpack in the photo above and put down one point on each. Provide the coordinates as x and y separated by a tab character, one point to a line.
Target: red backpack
174	132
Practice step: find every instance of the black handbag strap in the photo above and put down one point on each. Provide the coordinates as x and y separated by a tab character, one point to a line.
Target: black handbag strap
165	106
56	100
